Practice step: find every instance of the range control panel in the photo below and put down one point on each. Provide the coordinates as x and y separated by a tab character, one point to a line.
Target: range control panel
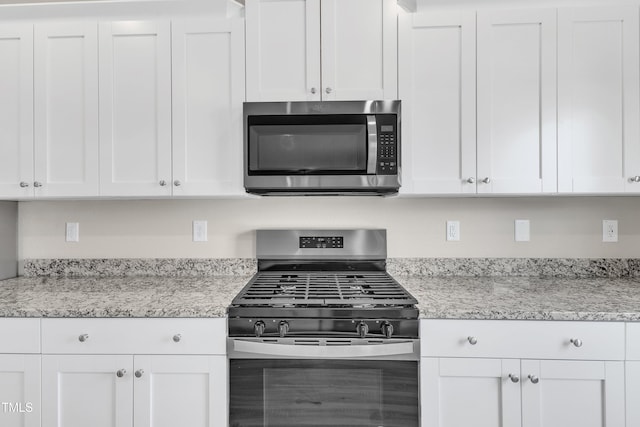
387	144
324	242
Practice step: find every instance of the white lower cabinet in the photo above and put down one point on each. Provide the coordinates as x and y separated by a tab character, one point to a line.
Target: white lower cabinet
485	390
142	390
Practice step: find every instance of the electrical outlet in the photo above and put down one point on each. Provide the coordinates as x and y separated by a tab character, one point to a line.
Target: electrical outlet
522	230
199	231
453	231
609	230
72	232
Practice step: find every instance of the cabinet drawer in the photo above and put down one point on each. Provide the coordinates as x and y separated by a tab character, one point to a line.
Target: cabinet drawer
134	336
19	335
523	339
633	341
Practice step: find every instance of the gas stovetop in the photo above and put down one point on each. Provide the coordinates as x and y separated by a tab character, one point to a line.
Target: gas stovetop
322	283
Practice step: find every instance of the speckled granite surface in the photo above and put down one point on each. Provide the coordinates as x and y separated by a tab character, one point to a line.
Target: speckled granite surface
439	297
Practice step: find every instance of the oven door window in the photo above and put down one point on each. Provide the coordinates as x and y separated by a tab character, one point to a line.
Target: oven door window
305	145
283	393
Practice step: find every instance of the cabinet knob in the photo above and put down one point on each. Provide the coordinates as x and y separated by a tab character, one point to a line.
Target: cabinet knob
313	90
120	373
486	180
139	373
83	337
24	184
472	340
328	90
177	338
177	183
576	342
37	184
163	183
471	180
514	378
634	179
534	379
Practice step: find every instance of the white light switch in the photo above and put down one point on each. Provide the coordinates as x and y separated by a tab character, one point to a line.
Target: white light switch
522	230
199	231
609	230
453	231
73	232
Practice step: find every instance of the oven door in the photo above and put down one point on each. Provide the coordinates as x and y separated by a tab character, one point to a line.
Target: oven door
323	385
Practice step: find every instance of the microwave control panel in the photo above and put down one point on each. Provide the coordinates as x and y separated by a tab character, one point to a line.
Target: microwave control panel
387	144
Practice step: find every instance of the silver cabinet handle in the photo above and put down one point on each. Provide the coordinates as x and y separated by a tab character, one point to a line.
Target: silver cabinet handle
514	378
576	342
163	183
328	90
177	183
24	184
120	373
83	337
472	340
313	90
37	184
534	379
177	337
471	180
486	180
139	373
634	179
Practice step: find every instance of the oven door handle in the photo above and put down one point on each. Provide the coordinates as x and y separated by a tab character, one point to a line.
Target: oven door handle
372	142
325	352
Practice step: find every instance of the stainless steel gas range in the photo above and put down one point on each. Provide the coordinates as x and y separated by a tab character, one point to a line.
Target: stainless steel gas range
322	335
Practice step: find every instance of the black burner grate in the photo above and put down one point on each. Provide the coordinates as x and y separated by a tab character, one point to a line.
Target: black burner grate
323	288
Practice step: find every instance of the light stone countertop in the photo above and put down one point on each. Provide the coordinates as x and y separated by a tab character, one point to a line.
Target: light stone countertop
506	298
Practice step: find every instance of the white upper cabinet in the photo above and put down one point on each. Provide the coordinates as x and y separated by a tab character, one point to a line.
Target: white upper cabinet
437	86
208	91
16	111
516	105
598	100
135	108
305	50
66	109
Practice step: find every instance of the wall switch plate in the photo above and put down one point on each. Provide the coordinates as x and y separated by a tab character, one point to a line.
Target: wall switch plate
609	230
522	230
72	232
199	231
453	231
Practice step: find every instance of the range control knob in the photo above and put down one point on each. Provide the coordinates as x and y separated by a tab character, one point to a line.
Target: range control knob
363	329
387	329
283	328
258	328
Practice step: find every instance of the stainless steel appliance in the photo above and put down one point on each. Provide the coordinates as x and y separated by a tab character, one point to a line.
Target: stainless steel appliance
322	335
8	240
322	148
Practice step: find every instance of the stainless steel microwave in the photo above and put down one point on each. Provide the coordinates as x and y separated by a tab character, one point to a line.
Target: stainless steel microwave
322	148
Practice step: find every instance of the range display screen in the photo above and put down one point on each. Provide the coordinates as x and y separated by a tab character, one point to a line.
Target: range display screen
324	242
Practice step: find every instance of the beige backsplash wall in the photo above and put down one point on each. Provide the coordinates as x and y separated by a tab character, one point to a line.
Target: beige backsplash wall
560	226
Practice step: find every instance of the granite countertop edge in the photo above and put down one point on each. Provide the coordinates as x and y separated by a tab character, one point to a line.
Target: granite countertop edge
451	297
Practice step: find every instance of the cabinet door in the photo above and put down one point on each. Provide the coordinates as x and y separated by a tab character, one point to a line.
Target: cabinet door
283	50
517	101
16	111
20	390
208	91
437	86
135	108
359	49
632	372
470	392
598	97
81	391
573	394
66	109
180	390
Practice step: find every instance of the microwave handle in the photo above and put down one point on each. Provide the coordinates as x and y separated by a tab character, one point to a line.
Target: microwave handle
372	143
